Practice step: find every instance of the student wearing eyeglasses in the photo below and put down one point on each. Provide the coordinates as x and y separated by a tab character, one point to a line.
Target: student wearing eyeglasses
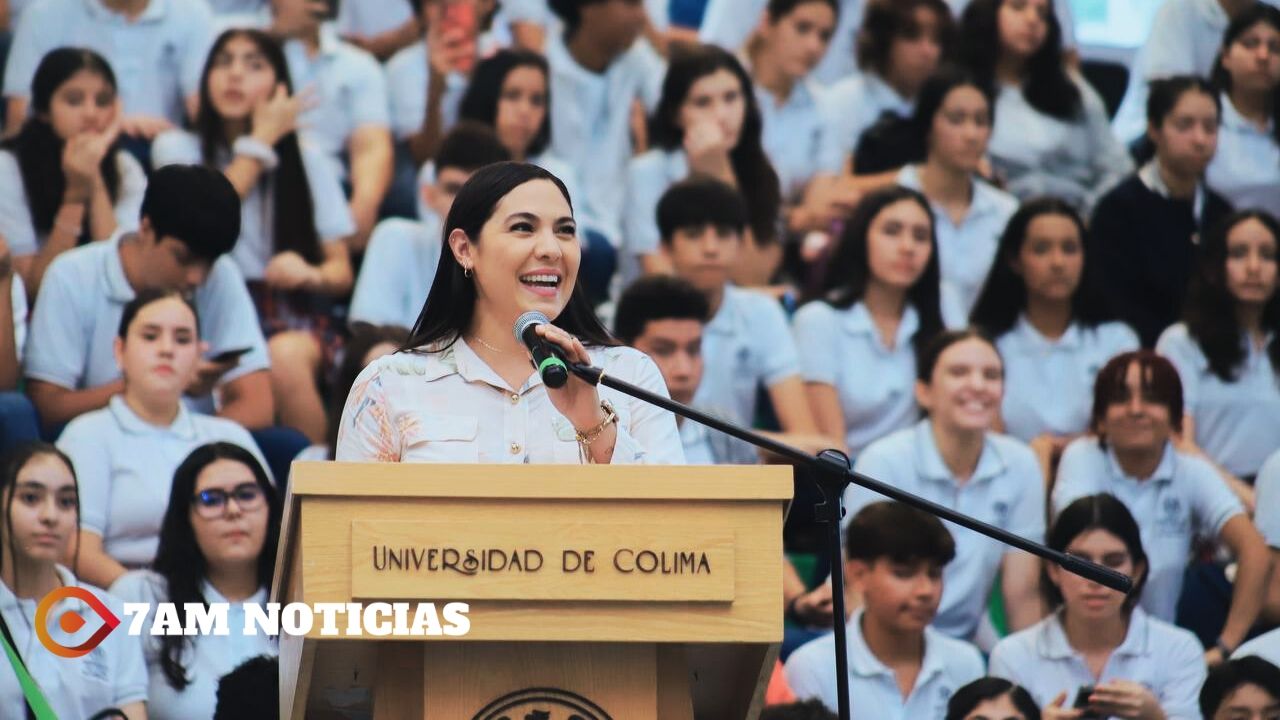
217	545
126	452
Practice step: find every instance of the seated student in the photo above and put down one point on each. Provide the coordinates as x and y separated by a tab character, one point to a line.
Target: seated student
346	116
1245	688
40	521
1247	165
707	123
294	224
1184	39
217	545
899	666
600	70
1051	135
1224	349
18	421
954	458
992	698
1134	665
155	46
125	453
400	262
879	304
1145	233
250	691
68	181
747	340
732	23
190	217
953	122
900	45
1174	496
1051	324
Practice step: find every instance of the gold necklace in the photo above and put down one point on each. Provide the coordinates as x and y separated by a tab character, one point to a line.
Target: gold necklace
478	339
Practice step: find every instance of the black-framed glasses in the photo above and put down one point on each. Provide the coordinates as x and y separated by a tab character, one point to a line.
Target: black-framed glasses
212	503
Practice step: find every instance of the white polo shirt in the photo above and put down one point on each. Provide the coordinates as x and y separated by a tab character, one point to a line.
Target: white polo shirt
77	316
157	57
797	137
843	348
746	344
966	250
408	81
947	666
206	659
113	674
591	125
366	18
1246	167
850	107
648	178
256	244
728	23
237	7
350	90
704	446
1048	384
1165	659
398	271
1265	646
1237	423
16	225
1267	515
125	468
1006	490
1184	499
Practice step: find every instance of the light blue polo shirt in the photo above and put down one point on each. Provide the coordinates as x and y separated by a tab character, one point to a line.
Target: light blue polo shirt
797	137
1165	659
157	58
1246	168
1267	515
649	176
1265	646
1006	490
1184	499
728	23
1237	423
852	105
397	273
77	315
1048	384
948	665
843	348
407	86
745	345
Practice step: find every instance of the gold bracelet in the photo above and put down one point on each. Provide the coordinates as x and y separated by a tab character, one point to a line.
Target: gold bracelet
586	438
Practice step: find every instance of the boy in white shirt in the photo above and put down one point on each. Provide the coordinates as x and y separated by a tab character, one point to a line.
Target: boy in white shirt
899	667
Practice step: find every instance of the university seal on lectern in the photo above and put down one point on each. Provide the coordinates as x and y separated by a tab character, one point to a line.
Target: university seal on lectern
541	704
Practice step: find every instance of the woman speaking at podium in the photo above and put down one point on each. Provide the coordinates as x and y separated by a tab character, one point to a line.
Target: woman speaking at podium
462	388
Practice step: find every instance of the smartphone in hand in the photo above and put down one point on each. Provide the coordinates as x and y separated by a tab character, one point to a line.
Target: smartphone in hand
1082	703
459	16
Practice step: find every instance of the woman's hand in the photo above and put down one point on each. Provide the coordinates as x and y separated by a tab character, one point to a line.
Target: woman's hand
1056	711
288	271
82	160
707	146
277	116
815	608
578	400
1125	699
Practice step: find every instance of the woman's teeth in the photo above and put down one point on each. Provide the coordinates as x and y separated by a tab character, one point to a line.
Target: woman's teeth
541	280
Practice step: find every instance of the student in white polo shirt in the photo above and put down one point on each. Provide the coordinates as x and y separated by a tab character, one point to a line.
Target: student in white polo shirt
953	119
40	519
1226	349
1246	168
125	453
1134	665
954	458
1042	304
217	544
900	668
600	68
878	305
1174	496
400	264
190	219
747	341
731	23
156	49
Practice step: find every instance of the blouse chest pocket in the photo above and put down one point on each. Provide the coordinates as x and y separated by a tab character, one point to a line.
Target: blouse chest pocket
442	438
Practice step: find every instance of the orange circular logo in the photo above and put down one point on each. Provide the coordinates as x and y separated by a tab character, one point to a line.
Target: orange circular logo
71	621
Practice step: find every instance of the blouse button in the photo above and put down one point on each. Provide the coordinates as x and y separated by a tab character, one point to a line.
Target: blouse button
515	448
515	399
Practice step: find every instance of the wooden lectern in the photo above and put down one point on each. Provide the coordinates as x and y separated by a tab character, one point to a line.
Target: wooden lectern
594	592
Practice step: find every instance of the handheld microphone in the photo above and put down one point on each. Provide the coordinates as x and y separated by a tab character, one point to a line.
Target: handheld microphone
546	357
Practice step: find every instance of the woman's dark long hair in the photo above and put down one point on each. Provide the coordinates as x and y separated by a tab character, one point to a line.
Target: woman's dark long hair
1210	312
178	557
849	271
1004	294
38	148
14	460
1221	79
755	174
480	103
452	301
364	337
1047	87
1096	512
293	211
